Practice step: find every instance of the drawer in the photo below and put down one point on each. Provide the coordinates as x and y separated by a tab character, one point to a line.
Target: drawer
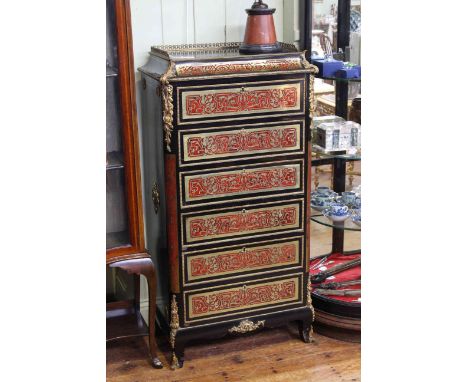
205	227
234	143
240	182
250	259
244	100
233	299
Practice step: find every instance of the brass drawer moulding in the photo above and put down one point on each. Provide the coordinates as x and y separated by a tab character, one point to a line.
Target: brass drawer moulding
292	299
207	219
235	263
205	138
187	200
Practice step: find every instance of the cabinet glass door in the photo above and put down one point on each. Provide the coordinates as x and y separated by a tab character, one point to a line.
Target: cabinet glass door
117	226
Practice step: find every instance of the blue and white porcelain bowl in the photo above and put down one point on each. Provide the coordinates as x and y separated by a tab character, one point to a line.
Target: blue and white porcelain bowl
357	203
356	217
319	202
338	209
348	198
323	190
337	212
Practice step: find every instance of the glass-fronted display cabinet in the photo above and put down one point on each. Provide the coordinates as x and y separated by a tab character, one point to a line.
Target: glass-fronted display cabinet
123	190
126	255
124	225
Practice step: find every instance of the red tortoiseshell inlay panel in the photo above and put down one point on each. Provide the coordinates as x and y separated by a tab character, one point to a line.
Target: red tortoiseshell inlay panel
243	260
237	223
243	297
242	182
239	142
237	101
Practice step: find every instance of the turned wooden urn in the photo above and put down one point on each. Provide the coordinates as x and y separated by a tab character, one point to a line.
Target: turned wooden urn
260	34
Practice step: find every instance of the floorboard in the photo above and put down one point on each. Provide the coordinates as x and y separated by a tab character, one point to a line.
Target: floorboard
271	355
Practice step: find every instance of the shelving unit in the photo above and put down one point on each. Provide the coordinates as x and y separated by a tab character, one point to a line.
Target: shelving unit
335	318
346	225
338	163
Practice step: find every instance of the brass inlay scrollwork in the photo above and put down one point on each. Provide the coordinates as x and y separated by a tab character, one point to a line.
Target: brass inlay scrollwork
174	321
246	326
232	67
168	106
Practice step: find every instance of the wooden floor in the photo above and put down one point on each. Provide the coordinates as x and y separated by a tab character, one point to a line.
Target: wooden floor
269	355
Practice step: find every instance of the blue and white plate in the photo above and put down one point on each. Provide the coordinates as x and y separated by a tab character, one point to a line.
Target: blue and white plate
335	218
330	193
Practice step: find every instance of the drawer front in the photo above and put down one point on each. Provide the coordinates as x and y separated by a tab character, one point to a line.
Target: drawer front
232	224
253	258
248	100
234	183
235	143
248	297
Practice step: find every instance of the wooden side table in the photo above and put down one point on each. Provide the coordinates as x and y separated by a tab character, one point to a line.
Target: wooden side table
127	321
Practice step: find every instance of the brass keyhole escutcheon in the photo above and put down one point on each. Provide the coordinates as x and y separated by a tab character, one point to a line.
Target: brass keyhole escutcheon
156	197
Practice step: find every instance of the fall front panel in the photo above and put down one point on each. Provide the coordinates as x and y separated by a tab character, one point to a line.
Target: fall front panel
242	100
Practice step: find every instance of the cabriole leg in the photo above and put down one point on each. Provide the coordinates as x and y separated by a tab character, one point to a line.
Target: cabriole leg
306	331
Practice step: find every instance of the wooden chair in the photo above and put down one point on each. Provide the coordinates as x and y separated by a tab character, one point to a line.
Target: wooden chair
127	321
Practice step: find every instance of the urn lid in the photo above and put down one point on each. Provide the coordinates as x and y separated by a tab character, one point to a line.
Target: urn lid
260	8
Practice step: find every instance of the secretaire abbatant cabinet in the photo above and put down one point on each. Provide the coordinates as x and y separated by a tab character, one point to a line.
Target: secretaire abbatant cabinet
226	144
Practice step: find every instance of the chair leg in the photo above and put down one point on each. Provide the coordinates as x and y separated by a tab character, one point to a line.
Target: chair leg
150	275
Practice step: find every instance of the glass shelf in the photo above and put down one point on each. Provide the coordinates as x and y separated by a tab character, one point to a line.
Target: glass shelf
339	79
350	157
117	239
111	72
346	225
114	160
